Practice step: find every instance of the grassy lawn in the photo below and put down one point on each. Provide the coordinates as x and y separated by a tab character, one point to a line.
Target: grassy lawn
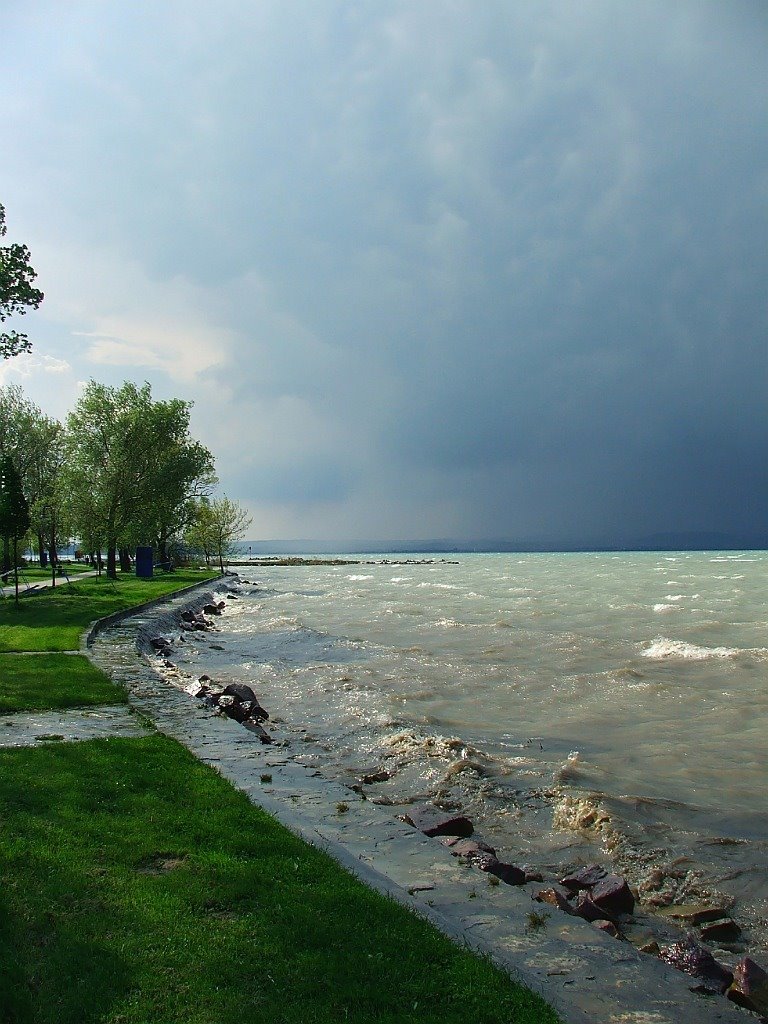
137	886
48	681
34	573
54	619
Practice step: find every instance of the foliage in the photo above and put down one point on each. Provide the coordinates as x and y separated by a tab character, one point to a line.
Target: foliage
216	527
132	469
17	293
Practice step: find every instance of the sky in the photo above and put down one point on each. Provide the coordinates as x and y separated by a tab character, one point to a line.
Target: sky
426	268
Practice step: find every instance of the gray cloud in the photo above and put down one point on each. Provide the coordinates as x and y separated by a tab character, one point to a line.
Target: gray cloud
491	270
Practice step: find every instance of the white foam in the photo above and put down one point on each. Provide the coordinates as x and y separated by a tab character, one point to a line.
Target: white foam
360	577
666	607
662	648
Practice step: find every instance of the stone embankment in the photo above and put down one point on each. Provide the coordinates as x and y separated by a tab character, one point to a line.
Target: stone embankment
562	937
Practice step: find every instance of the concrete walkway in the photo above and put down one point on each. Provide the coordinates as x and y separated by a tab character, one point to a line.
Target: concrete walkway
61	581
586	975
31	728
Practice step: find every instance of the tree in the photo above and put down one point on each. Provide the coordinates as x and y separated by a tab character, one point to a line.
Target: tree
131	467
17	293
218	525
17	418
14	511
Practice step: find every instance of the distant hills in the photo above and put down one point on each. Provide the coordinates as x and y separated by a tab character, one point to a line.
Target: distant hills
693	541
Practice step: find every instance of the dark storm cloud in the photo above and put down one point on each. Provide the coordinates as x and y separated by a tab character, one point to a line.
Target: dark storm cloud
490	269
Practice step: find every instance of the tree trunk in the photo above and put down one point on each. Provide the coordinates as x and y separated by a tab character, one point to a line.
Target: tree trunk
125	560
16	568
41	549
6	553
112	560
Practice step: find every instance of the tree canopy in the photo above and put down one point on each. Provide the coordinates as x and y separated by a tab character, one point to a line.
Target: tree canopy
17	292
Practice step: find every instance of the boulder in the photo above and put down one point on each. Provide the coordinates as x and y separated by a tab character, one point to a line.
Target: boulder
694	959
371	777
750	986
493	866
258	730
434	822
556	897
196	689
584	878
587	908
613	895
609	928
254	710
467	847
160	643
720	931
211	609
693	913
240	690
533	876
232	708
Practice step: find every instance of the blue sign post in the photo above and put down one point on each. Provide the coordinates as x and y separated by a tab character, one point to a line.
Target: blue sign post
144	563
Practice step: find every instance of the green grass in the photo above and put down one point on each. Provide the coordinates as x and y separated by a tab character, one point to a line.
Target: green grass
138	887
47	681
34	573
54	619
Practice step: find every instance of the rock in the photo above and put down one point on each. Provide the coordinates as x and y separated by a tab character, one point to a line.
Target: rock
493	866
240	690
694	913
609	928
468	847
372	777
433	822
196	689
584	878
587	908
652	948
613	895
533	876
694	959
556	897
258	730
211	609
750	986
217	647
254	710
187	616
720	931
232	708
160	643
232	597
204	678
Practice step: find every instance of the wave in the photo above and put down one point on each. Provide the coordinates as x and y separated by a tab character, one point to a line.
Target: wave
663	648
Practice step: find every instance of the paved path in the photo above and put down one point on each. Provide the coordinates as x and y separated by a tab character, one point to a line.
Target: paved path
31	728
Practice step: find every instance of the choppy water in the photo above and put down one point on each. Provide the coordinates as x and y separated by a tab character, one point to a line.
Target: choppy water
578	704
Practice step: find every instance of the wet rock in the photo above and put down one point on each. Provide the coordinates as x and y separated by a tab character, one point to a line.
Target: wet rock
254	710
609	928
211	609
652	948
257	729
196	689
556	897
493	866
720	931
217	647
240	690
694	959
750	986
613	895
694	913
232	597
587	908
468	847
371	777
232	708
433	822
533	876
161	644
584	878
204	678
